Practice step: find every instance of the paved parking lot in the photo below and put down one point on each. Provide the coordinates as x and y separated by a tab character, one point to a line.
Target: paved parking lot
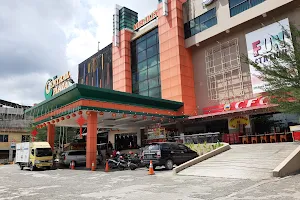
130	185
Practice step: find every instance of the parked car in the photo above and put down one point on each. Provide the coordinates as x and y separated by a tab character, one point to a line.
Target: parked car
78	156
167	154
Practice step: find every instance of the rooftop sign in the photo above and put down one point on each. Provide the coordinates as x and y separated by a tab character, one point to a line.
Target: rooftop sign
146	20
57	84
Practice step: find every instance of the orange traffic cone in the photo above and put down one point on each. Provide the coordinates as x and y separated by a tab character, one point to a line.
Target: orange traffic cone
106	166
151	170
93	166
72	165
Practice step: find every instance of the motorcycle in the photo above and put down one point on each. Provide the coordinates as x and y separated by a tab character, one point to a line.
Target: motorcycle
136	160
119	163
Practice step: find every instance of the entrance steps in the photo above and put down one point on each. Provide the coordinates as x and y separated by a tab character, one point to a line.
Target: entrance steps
249	161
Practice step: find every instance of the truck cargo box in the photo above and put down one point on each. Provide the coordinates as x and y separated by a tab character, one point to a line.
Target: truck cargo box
22	152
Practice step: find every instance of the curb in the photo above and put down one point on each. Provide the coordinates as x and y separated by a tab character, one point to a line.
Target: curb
199	159
290	165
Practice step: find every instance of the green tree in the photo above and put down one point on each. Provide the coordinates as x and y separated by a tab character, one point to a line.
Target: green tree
281	71
70	133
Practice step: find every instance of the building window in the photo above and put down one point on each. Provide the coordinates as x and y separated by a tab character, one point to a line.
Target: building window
3	138
25	138
146	65
238	6
200	23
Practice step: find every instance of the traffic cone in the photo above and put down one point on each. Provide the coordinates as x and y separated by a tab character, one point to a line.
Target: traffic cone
151	170
72	165
93	166
106	166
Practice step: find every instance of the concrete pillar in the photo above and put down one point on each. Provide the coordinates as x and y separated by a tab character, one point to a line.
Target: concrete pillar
91	141
122	63
139	137
51	135
176	68
10	155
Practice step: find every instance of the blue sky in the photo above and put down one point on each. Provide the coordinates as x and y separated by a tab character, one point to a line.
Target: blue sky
43	38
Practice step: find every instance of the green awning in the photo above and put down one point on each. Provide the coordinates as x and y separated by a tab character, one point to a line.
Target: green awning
79	91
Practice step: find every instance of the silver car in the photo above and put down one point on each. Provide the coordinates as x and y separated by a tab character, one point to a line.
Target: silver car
78	156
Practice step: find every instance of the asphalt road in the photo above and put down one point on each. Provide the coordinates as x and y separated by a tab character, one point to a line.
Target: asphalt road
130	185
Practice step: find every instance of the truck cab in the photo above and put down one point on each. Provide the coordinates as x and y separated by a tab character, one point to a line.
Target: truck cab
34	155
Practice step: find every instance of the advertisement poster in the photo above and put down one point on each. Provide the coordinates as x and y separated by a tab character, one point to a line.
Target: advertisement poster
260	44
234	122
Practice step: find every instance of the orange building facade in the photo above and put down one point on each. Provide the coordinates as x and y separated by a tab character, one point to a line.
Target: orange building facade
179	65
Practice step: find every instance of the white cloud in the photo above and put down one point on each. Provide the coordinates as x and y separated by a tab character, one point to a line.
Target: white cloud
52	42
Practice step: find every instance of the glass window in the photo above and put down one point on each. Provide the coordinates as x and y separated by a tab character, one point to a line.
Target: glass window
151	51
144	93
152	72
145	65
3	138
152	61
142	56
154	82
151	41
142	66
40	152
155	92
141	46
239	6
200	23
135	88
143	85
25	138
134	78
142	75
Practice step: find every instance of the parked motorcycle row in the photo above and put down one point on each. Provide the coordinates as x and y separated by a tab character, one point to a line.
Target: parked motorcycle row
125	161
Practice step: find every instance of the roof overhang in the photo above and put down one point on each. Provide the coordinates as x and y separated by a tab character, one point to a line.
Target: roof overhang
83	97
231	112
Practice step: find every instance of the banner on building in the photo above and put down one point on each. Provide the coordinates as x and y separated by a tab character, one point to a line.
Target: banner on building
263	42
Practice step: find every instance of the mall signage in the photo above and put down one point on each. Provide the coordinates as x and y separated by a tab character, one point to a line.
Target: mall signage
57	84
146	20
255	102
262	43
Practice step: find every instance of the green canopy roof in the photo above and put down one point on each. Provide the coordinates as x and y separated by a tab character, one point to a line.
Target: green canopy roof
79	91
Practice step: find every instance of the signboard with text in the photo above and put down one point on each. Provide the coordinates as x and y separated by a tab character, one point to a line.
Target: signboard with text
146	20
235	122
57	84
261	44
248	103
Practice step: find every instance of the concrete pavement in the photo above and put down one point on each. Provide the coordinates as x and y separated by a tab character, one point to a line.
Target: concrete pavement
251	161
134	185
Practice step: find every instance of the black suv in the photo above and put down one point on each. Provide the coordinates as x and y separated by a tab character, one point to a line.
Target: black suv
167	154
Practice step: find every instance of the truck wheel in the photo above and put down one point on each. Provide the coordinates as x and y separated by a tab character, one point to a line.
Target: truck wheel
31	167
21	167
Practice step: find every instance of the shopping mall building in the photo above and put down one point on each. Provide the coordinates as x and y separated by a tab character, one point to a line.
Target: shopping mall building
177	70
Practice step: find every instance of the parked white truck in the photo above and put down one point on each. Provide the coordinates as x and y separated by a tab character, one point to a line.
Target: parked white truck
34	155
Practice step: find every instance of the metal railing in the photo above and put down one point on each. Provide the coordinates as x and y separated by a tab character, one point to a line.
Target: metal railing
199	138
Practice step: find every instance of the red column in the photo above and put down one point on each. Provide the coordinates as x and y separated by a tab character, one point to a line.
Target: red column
91	141
51	135
176	67
122	63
